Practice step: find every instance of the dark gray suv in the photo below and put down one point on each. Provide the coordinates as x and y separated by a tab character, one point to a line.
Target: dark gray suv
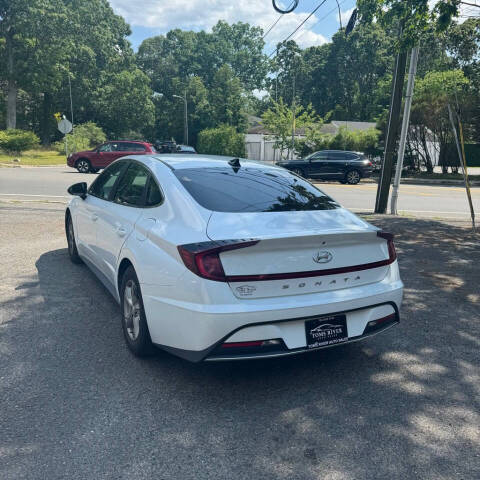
346	167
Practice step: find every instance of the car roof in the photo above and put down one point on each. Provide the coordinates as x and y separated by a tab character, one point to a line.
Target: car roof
178	161
128	141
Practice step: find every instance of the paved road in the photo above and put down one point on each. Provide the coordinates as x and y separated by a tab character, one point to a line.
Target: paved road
418	200
76	405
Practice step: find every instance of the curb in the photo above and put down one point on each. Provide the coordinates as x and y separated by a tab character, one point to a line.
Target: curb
11	165
427	181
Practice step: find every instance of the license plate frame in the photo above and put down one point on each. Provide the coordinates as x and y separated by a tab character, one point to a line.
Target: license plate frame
325	331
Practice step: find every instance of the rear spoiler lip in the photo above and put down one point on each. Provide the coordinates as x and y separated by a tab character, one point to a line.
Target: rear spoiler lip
321	273
226	245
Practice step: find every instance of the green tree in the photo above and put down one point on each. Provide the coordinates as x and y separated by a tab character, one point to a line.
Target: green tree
433	93
240	46
227	100
415	16
223	140
123	102
279	121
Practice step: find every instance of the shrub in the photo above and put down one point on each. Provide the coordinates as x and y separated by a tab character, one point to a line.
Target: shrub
17	141
85	136
223	140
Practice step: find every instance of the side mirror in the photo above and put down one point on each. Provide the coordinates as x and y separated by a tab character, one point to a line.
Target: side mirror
78	190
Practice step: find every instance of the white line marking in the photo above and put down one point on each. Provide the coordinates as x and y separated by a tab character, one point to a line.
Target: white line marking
28	195
356	209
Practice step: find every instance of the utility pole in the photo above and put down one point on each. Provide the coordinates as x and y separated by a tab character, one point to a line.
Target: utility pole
405	124
293	119
71	99
392	133
185	119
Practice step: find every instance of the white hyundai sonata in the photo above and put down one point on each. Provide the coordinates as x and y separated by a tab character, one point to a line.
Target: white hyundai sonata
214	258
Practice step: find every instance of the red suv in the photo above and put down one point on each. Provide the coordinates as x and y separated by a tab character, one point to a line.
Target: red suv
105	154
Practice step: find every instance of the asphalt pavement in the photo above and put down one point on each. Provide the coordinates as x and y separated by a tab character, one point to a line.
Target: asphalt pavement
51	183
75	404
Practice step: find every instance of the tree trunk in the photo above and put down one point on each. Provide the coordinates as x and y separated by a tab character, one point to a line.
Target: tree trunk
46	119
12	86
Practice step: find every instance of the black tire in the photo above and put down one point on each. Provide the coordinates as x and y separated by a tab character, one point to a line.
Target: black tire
83	165
299	172
72	245
343	182
352	177
134	322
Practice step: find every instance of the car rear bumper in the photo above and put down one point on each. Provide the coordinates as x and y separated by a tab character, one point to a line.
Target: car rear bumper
194	331
354	319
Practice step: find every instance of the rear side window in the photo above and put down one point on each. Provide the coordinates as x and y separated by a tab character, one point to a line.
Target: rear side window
252	190
102	186
135	147
132	185
154	196
319	156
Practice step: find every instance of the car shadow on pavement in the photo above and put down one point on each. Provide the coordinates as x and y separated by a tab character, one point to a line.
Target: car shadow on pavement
403	404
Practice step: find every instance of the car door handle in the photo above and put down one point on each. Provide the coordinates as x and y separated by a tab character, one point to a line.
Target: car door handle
94	217
121	232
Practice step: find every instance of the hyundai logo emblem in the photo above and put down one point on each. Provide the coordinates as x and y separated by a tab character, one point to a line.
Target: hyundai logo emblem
322	257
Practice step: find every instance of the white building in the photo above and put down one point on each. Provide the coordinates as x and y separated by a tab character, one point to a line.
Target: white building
260	144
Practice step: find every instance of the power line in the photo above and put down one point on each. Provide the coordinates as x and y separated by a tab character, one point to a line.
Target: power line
321	19
272	26
299	26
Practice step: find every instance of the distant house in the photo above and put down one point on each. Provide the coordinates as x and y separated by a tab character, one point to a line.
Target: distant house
260	145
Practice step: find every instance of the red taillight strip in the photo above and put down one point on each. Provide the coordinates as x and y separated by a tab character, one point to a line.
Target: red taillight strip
203	259
320	273
255	343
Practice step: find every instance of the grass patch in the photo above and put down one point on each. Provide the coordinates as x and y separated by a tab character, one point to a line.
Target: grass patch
34	158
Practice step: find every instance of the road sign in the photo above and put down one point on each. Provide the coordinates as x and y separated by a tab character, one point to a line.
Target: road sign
64	126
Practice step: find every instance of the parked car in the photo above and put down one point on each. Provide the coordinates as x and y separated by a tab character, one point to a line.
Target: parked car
346	167
103	155
185	149
167	146
219	259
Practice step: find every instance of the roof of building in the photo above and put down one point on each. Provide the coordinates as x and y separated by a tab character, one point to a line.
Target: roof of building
331	128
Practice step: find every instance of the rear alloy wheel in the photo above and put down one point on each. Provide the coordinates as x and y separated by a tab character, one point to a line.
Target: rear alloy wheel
83	165
353	177
134	322
72	246
298	171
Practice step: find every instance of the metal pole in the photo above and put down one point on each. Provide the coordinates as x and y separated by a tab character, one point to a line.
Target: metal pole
71	100
463	163
293	119
392	132
405	124
186	120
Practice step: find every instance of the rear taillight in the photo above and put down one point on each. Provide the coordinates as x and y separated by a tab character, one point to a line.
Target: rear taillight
392	253
203	258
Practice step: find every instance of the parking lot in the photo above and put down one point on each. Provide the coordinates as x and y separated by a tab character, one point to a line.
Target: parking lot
76	404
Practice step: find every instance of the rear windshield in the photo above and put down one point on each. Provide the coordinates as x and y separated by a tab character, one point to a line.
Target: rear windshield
221	189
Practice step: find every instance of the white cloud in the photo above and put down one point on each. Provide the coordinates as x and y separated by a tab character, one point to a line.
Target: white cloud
204	14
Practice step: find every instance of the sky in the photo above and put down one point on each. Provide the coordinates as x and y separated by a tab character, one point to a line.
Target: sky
148	18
